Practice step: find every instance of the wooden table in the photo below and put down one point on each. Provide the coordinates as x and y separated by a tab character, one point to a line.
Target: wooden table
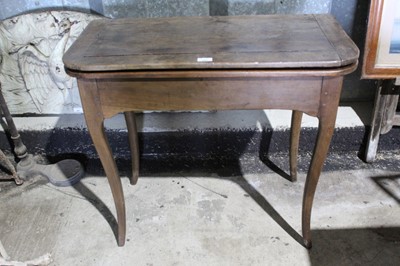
294	62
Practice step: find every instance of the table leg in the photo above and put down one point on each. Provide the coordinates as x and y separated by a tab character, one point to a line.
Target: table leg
330	94
134	144
95	123
294	143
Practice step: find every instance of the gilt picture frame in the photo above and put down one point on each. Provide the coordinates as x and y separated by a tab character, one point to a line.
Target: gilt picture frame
382	45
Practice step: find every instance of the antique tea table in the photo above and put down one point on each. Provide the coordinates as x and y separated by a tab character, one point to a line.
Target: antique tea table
294	62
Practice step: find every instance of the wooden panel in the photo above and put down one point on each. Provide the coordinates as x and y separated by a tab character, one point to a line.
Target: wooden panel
272	41
210	94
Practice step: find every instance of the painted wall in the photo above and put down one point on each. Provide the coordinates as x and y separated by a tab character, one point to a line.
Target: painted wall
352	14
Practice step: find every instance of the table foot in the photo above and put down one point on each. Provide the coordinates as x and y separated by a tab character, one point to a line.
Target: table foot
307	244
121	240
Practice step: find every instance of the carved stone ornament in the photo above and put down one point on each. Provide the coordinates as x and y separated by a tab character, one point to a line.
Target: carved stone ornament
31	69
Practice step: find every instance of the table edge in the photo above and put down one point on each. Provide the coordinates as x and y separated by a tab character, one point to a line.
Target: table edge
215	73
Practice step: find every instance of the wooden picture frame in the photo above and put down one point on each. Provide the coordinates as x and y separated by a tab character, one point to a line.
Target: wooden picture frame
381	57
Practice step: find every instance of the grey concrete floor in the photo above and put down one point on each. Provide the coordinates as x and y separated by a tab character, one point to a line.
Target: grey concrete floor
184	220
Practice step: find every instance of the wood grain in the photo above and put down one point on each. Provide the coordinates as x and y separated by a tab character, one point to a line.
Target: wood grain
271	41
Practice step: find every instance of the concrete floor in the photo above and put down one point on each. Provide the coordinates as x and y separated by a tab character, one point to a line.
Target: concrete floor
191	220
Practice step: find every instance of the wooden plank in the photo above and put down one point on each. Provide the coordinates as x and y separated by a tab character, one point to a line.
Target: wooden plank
271	41
340	41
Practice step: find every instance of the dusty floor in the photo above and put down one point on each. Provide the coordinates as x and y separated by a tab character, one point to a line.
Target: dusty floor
190	220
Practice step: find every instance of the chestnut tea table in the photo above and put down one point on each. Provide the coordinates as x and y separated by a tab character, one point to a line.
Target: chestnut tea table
293	62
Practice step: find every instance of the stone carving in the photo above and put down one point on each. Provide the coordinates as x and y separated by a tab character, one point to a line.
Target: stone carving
31	69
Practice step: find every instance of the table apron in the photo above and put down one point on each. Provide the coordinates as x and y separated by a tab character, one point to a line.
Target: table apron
120	95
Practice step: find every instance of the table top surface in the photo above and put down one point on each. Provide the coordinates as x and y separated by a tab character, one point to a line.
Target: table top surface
232	42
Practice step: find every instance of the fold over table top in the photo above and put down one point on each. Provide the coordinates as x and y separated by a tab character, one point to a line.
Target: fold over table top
236	42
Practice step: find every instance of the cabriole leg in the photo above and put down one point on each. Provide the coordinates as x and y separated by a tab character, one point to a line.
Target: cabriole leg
95	123
329	102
